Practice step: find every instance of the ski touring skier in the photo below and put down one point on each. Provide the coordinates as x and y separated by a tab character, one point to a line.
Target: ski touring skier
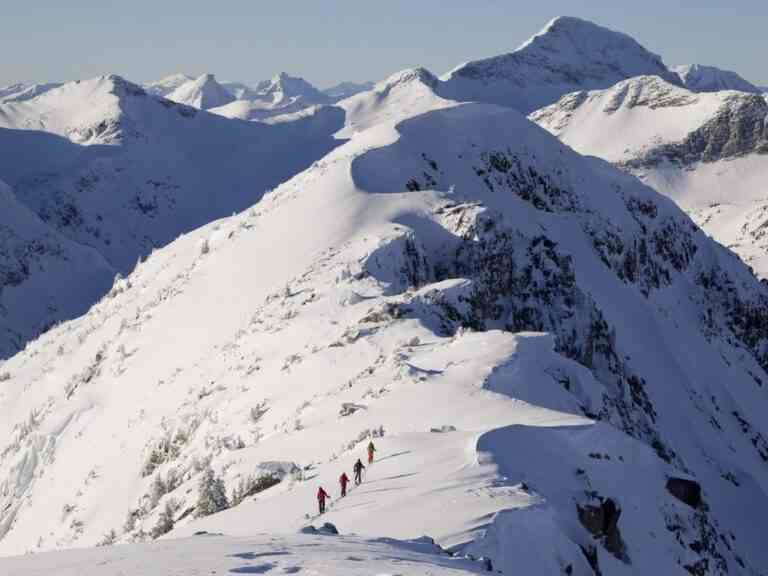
371	450
358	468
321	496
343	480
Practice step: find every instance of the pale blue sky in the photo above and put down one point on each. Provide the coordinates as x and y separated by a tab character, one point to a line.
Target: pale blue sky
333	40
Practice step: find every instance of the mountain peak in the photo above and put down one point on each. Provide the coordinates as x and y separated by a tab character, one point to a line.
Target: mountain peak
409	75
203	92
167	84
569	54
700	78
284	86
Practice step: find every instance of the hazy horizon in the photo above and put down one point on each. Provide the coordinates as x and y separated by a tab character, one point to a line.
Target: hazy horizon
338	41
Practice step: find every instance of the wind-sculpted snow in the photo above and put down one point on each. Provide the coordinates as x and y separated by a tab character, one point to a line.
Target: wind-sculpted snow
407	309
217	554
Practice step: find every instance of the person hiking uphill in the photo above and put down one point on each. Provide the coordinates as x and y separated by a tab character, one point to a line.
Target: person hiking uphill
358	468
343	480
371	450
321	496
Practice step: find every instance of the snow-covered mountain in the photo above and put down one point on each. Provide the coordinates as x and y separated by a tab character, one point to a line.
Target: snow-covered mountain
699	78
114	169
705	150
239	90
203	92
344	90
165	86
569	54
389	291
283	94
22	92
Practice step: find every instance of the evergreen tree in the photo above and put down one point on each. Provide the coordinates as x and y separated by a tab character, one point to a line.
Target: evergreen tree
212	495
165	520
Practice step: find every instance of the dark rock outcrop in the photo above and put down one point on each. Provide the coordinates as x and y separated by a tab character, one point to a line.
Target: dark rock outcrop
687	491
602	521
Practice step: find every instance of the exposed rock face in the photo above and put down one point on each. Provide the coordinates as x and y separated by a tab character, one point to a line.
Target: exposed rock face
739	128
602	521
688	491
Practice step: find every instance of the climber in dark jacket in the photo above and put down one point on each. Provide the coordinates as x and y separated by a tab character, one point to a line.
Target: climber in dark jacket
358	468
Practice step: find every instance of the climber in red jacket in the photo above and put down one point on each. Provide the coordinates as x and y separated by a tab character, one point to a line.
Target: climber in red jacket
321	496
343	480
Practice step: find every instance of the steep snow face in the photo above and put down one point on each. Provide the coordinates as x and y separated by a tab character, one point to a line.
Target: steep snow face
112	168
281	95
344	90
202	93
31	255
569	54
22	92
406	304
700	78
166	85
705	150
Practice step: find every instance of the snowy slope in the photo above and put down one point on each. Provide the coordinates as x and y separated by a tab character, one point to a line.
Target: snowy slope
392	288
214	554
705	150
112	168
282	94
699	78
203	92
569	54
